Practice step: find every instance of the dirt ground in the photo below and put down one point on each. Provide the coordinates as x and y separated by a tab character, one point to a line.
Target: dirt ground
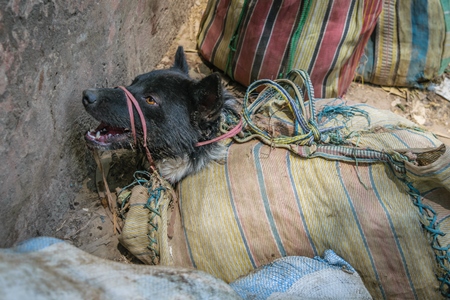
88	225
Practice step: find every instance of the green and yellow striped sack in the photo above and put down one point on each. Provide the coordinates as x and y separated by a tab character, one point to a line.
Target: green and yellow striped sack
410	45
366	183
264	39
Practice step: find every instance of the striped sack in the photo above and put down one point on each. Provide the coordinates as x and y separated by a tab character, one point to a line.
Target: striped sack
379	200
410	45
250	40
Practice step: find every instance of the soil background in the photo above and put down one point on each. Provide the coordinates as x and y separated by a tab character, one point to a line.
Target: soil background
87	224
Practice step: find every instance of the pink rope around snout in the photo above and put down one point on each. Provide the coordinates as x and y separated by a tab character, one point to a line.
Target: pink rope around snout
130	102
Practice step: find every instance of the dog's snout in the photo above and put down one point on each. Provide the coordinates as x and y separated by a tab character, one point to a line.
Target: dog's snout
89	97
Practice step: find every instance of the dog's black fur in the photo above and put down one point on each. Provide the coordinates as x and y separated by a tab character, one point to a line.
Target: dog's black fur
178	110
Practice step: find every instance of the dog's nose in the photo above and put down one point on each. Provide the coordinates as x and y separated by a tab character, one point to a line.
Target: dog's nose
89	97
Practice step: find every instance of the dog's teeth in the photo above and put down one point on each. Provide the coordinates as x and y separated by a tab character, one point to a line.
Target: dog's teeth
97	136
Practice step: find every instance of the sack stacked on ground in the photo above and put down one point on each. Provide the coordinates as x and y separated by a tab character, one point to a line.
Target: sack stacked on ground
251	40
297	277
378	202
410	45
268	203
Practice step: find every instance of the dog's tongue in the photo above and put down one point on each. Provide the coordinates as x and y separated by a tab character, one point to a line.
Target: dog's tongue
105	135
106	129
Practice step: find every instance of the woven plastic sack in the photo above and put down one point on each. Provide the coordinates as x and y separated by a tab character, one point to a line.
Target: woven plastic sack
296	277
147	202
364	182
410	45
48	268
261	39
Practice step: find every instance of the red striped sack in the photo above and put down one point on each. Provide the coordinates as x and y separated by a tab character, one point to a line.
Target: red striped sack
251	40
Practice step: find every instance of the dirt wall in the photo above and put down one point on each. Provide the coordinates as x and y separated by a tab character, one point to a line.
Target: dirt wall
49	52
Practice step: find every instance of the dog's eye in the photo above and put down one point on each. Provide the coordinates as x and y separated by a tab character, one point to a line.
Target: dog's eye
150	100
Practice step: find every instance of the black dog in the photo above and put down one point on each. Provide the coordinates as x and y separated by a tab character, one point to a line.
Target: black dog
179	112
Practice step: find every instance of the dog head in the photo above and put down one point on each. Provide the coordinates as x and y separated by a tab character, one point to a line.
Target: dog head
179	112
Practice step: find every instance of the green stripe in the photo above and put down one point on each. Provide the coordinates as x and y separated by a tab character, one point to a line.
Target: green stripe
296	36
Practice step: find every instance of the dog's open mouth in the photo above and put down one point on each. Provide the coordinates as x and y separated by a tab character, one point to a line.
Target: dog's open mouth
107	137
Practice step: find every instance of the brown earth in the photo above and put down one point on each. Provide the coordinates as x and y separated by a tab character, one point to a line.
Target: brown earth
87	224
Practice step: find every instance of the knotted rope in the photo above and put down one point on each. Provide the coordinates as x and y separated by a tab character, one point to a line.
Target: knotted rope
305	119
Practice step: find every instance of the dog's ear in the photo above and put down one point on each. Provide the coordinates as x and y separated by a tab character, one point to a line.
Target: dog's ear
180	60
208	97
